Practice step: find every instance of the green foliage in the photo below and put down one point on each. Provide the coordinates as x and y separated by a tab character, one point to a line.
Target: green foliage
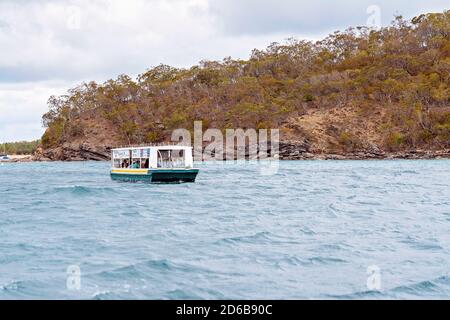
176	120
53	134
440	123
308	97
398	67
395	141
152	137
349	141
19	148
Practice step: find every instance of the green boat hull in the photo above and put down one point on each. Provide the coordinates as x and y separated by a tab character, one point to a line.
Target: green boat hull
159	176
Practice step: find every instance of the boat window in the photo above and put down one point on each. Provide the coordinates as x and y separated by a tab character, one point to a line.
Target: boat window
138	159
145	163
121	158
136	164
171	159
163	159
177	157
125	163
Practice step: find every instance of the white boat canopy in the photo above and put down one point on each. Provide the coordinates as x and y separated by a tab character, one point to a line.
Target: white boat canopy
153	157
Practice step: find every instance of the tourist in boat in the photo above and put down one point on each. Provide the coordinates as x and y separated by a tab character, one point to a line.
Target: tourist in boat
135	165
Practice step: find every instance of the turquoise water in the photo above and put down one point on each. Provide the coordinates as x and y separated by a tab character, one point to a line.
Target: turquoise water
310	231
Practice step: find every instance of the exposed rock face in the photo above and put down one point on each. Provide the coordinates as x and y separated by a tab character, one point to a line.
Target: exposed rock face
295	150
314	135
302	151
74	152
292	150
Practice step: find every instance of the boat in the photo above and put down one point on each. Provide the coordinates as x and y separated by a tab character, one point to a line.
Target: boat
3	156
155	164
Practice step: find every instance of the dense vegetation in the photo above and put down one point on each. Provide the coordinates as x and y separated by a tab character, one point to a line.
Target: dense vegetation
20	148
403	68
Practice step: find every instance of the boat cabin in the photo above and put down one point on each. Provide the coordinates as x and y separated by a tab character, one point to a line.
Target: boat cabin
154	163
165	157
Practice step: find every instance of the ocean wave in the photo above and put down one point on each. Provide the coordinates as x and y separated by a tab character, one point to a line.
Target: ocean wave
114	295
419	244
361	295
20	289
308	233
439	286
14	286
82	190
436	288
144	269
179	294
326	260
260	237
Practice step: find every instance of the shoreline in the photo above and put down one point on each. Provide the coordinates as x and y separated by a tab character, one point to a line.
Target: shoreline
407	155
287	150
19	158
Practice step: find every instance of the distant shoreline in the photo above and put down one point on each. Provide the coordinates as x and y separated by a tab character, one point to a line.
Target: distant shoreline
407	155
20	158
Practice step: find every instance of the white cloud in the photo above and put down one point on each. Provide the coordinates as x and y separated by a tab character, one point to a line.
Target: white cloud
95	39
21	108
46	44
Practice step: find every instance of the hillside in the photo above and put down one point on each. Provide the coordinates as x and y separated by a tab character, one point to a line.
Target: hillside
360	93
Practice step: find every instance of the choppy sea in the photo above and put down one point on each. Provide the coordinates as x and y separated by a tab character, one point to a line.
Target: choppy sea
308	229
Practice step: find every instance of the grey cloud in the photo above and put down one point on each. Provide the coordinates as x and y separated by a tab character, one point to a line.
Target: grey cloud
127	37
309	17
39	42
109	37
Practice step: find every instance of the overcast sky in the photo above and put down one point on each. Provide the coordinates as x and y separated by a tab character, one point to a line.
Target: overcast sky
49	46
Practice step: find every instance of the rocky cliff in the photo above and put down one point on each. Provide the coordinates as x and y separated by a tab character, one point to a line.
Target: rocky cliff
360	93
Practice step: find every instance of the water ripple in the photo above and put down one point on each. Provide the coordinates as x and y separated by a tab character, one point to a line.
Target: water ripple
311	231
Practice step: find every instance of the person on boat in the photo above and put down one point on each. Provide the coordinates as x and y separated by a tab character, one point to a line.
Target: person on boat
144	164
135	165
125	164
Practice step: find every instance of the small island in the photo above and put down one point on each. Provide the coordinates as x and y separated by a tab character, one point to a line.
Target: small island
357	94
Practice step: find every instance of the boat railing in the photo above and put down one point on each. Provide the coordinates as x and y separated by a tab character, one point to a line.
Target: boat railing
143	145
